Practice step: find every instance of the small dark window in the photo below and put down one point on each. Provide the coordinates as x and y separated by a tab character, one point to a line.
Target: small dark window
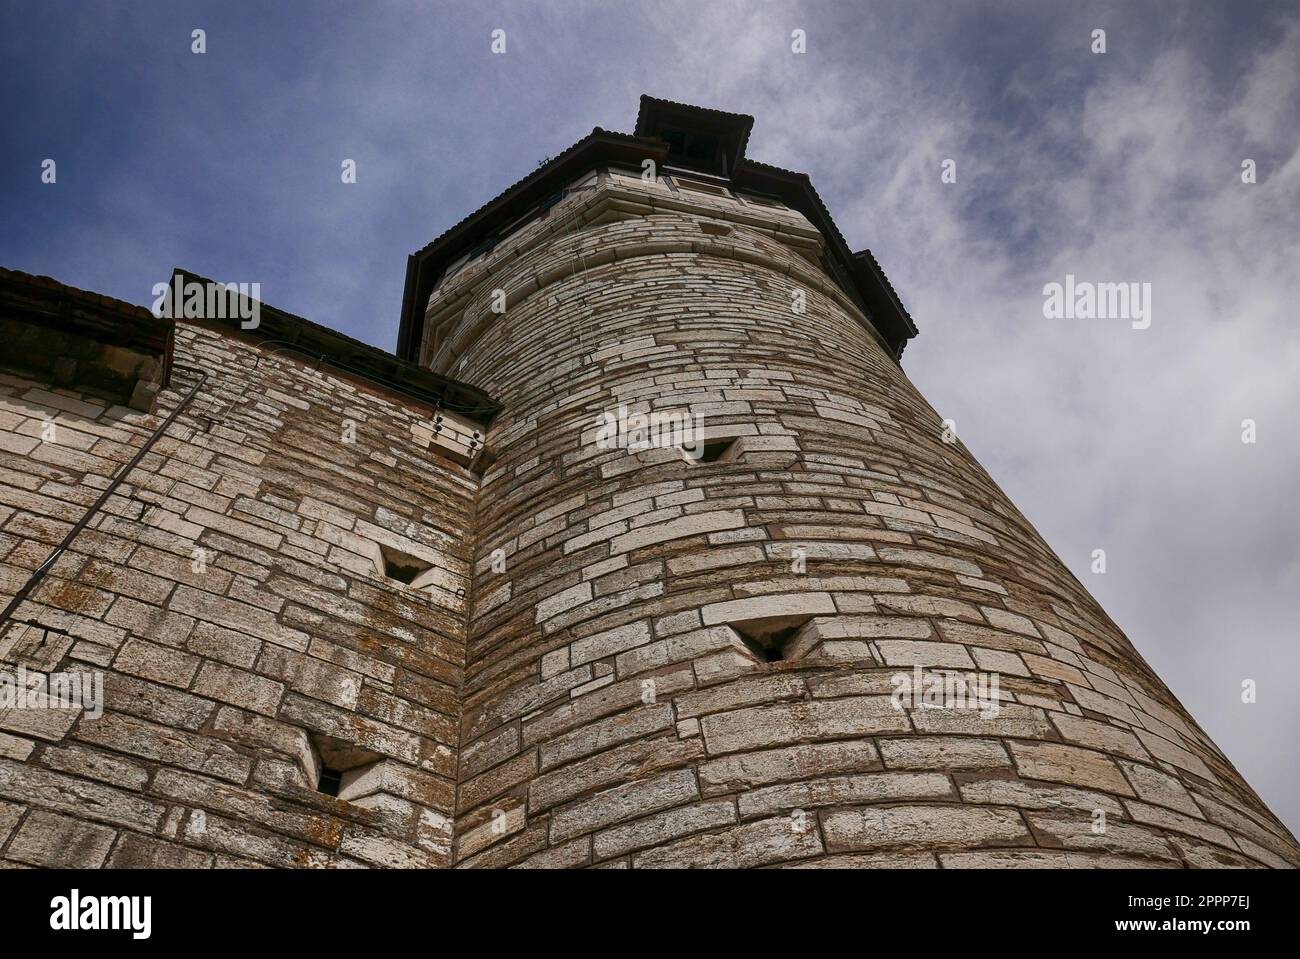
330	781
701	148
771	648
698	150
403	567
338	765
713	450
769	638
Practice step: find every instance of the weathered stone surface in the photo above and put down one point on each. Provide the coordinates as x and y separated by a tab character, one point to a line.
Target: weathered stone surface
623	802
742	771
1069	764
1042	859
10	813
1013	792
47	839
772	725
664	827
75	797
238	688
631	761
1170	821
844	791
765	607
160	743
605	733
923	827
1161	788
885	860
1011	719
1120	838
677	529
134	851
904	653
760	843
389	776
942	752
744	691
1097	735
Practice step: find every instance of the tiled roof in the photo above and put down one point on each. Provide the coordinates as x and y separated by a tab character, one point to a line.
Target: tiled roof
287	331
524	182
741	122
87	297
116	321
875	265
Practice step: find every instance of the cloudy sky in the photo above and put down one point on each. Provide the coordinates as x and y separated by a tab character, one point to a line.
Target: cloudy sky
1122	166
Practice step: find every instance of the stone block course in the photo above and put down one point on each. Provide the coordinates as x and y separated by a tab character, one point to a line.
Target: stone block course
48	839
925	827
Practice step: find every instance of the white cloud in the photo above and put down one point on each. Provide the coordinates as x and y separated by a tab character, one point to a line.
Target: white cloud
1104	436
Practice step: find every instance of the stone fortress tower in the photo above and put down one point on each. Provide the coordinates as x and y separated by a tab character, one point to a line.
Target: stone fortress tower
643	551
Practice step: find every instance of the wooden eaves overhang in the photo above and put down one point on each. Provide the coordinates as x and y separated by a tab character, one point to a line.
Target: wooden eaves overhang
658	123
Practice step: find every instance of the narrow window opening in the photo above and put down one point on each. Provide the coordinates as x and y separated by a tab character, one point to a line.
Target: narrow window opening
700	150
403	567
338	765
713	451
769	639
699	186
330	781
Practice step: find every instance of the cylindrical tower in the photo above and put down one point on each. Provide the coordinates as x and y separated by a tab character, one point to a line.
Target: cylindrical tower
740	598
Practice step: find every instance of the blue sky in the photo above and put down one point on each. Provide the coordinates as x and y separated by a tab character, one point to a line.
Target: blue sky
1122	166
228	163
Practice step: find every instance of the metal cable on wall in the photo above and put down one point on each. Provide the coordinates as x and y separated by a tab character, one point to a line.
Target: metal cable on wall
41	571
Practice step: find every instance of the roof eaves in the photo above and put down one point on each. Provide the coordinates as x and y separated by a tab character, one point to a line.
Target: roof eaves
879	292
871	261
419	281
863	260
524	182
744	120
283	330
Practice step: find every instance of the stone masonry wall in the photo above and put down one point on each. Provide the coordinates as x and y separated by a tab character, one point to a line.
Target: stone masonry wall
233	595
613	714
585	671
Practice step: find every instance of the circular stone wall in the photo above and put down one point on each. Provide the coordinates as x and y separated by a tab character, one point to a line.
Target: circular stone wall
741	661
